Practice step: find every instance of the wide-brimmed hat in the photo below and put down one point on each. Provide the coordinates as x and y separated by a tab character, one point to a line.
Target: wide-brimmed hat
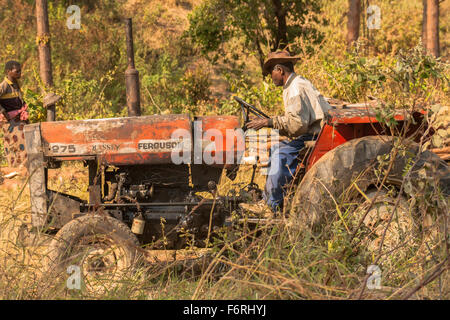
276	57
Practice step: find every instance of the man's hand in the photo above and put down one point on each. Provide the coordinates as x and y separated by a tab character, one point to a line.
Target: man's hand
258	124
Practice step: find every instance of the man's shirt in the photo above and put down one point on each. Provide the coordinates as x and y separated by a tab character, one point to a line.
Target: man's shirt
304	106
10	96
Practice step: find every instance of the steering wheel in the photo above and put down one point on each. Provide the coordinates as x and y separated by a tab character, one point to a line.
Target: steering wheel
247	108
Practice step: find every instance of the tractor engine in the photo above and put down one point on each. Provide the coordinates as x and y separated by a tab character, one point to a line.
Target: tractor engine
146	171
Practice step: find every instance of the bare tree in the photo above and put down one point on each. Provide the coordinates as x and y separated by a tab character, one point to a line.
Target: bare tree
354	14
45	61
424	23
432	27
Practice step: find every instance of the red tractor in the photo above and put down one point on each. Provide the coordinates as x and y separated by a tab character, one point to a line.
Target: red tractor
138	195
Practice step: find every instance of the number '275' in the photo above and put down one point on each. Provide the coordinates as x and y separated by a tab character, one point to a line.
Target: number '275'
63	148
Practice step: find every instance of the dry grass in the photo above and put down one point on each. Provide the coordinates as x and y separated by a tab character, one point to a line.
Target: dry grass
266	262
277	262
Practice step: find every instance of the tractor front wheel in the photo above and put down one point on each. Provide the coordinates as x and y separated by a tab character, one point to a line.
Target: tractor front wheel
102	248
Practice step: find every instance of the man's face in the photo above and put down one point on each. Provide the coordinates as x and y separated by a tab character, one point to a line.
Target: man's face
277	76
15	73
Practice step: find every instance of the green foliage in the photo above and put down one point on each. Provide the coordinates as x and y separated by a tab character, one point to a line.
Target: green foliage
264	95
174	77
195	84
36	111
411	80
406	77
80	58
262	25
206	28
416	72
78	92
354	77
172	87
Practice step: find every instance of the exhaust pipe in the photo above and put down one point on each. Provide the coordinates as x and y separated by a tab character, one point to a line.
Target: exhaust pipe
131	75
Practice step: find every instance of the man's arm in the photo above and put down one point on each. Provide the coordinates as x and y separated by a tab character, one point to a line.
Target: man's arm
296	120
293	123
2	92
260	123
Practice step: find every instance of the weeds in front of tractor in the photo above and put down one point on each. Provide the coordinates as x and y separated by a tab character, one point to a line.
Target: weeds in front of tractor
280	261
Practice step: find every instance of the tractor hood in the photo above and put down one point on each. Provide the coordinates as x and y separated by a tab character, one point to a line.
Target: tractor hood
132	140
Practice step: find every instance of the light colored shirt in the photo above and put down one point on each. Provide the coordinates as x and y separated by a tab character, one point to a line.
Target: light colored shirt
304	106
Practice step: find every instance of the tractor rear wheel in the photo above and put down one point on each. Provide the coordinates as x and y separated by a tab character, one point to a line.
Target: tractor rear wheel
103	248
353	168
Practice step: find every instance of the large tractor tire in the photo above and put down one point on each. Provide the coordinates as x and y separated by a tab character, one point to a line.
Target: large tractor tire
350	170
103	248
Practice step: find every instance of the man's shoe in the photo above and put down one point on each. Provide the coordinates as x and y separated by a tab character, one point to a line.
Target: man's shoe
259	209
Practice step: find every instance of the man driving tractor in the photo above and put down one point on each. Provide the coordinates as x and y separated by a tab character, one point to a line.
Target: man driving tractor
305	109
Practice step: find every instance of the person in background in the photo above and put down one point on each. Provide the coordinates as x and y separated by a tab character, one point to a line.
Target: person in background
13	115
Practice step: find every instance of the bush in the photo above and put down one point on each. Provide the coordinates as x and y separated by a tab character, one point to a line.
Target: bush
264	95
86	99
173	88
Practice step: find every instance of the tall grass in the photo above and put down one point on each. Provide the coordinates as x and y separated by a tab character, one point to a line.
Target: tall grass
277	261
283	260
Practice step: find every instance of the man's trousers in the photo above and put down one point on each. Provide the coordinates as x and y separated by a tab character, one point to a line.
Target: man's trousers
282	166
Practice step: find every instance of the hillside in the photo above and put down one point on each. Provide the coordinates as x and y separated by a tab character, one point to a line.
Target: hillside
88	64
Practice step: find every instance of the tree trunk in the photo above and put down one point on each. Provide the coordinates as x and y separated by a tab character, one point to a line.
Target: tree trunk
45	62
353	22
424	23
281	35
433	27
261	56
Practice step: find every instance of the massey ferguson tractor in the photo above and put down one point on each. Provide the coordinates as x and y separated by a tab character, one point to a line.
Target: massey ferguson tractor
139	196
